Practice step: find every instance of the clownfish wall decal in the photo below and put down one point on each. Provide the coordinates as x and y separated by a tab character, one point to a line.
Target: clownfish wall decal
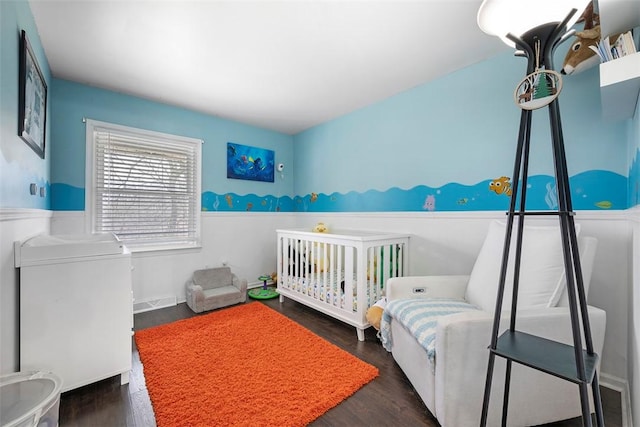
501	185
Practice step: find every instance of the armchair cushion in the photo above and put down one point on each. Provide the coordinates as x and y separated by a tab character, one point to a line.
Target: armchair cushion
213	277
542	275
420	318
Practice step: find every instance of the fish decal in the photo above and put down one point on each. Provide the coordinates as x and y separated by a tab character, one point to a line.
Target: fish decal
429	203
229	199
501	185
257	163
463	201
605	204
314	197
249	206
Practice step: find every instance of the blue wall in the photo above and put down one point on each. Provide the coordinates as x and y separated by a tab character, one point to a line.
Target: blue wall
20	166
634	158
73	101
440	145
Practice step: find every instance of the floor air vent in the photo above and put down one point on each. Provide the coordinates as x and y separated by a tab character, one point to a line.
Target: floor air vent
142	306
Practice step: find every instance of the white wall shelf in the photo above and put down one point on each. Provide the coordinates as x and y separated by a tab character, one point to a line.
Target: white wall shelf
620	78
620	86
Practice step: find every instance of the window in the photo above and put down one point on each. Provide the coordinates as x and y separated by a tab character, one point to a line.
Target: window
143	186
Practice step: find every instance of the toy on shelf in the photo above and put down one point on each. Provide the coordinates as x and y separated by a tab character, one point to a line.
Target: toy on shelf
264	292
591	47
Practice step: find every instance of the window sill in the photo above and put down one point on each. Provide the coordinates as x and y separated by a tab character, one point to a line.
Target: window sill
162	249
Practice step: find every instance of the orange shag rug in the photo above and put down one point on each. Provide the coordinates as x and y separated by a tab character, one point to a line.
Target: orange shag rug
244	366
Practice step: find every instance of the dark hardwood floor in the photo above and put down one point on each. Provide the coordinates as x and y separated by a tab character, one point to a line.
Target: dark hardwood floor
389	400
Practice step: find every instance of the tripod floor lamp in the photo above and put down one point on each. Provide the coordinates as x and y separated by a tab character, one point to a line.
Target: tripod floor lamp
535	28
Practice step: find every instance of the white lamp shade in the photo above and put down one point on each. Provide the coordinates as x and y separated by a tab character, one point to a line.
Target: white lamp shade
500	17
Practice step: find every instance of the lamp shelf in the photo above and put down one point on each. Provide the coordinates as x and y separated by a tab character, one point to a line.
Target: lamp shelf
620	86
545	355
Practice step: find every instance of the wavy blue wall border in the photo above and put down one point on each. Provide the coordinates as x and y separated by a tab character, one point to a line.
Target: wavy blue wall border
230	202
65	197
634	180
590	190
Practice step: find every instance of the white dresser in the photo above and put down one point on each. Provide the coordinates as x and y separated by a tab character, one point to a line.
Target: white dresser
76	308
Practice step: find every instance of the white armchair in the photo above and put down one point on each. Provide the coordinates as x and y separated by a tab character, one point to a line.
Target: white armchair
453	389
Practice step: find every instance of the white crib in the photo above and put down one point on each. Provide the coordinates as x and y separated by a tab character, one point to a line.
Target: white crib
340	273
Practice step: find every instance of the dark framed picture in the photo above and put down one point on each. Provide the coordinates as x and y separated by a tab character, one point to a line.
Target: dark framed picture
32	99
252	163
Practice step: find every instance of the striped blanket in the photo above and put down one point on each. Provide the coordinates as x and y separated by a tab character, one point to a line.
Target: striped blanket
420	318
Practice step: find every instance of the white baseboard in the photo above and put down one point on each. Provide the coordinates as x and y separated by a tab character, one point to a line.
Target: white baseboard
252	285
622	386
154	304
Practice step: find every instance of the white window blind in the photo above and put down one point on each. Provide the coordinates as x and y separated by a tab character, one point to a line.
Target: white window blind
146	186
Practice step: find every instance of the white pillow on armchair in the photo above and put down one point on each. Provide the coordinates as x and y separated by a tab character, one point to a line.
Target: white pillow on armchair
542	273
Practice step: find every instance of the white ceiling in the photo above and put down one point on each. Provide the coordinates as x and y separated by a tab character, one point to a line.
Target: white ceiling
281	65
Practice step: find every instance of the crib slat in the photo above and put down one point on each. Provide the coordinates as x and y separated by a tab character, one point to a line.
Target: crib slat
349	269
325	268
340	276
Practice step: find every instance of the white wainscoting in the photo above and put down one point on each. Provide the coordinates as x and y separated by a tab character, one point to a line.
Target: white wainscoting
633	405
441	243
245	241
15	225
